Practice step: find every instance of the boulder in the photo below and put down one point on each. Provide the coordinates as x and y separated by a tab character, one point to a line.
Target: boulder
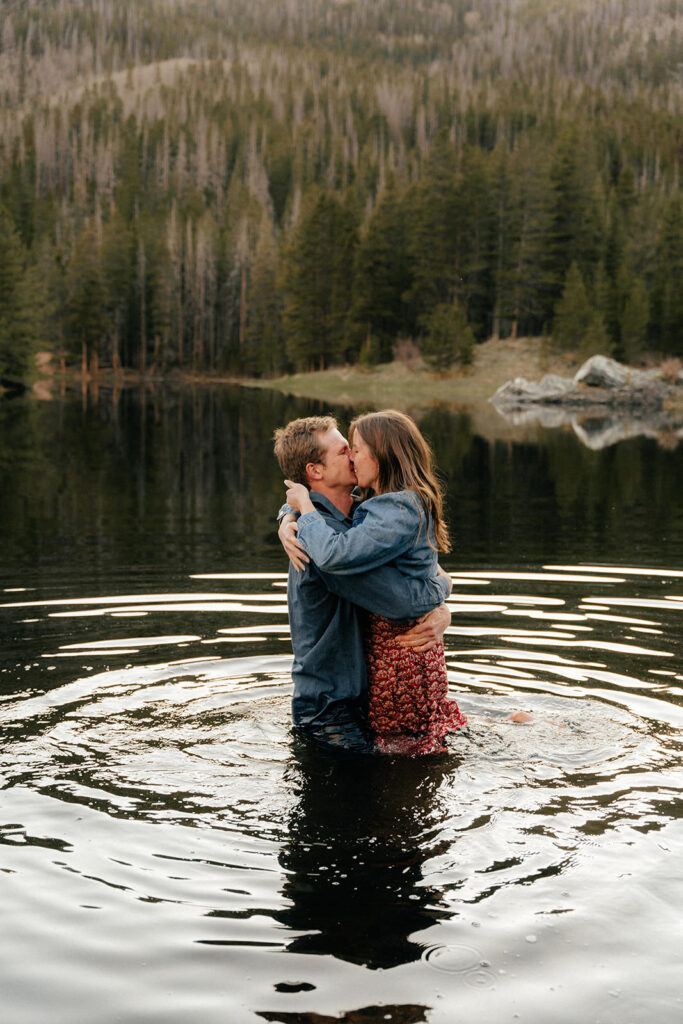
601	372
521	391
605	402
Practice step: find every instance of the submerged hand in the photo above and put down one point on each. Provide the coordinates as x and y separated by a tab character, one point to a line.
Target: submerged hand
294	550
298	497
428	631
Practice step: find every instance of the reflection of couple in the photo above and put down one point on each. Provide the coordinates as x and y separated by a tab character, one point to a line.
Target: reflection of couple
362	567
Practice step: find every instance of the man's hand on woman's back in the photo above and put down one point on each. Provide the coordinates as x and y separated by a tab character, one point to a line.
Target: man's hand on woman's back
428	632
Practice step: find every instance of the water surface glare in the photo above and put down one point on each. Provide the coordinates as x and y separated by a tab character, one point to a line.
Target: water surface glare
171	852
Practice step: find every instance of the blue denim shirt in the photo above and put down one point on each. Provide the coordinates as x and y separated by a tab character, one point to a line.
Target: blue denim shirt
325	620
390	527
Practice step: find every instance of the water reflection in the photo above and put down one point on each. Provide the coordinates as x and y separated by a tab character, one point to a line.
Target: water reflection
598	428
186	479
403	1014
167	849
358	838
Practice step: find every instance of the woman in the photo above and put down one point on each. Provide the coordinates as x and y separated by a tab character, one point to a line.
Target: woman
400	521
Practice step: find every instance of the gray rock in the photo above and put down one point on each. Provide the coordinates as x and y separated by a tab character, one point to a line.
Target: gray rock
552	385
522	392
604	403
601	372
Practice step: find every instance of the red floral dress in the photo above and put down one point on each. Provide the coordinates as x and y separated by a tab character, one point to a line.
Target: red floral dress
409	710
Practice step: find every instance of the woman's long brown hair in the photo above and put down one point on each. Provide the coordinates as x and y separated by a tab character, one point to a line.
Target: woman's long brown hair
405	463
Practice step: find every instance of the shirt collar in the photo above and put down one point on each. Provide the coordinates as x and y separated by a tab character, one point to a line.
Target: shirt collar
320	501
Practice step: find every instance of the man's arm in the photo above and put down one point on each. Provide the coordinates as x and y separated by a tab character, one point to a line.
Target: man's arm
428	632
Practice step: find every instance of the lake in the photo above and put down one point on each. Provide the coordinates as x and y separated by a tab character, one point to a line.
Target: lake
169	852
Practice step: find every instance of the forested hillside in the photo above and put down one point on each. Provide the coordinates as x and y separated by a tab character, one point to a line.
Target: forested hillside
250	186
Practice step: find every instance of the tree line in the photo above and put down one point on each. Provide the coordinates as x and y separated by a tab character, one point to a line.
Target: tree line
223	186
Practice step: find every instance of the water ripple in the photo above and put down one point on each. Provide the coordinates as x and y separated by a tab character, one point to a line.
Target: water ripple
162	796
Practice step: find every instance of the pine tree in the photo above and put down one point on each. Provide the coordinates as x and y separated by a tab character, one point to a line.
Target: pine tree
667	292
317	262
575	228
449	337
162	305
117	257
634	321
265	348
433	230
86	298
505	231
346	244
573	313
531	279
19	305
596	339
382	275
473	229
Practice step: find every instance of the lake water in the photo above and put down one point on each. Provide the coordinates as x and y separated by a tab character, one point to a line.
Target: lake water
169	853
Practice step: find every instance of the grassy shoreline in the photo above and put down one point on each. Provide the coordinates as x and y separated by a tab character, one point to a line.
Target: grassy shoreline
402	384
405	386
349	389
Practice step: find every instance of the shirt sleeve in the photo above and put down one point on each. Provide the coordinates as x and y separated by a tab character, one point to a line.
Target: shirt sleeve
389	526
284	510
386	591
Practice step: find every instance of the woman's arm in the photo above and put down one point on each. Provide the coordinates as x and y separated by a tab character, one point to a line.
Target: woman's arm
388	527
293	549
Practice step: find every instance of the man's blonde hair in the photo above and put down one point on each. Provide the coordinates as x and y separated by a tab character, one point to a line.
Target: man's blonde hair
298	443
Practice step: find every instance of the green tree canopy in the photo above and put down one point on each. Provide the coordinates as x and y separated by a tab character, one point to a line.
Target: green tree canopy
449	337
573	313
20	304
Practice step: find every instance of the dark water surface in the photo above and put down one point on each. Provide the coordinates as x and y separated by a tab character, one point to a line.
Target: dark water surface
168	853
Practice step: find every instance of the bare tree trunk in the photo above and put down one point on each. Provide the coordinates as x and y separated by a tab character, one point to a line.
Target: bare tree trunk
84	375
155	353
243	308
94	374
179	313
115	360
143	311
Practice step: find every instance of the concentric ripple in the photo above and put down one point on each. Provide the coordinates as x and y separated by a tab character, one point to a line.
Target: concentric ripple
160	823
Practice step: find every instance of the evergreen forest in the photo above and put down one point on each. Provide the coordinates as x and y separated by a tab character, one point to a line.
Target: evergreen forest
249	187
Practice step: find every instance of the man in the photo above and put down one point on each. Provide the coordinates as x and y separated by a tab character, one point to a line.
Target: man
330	682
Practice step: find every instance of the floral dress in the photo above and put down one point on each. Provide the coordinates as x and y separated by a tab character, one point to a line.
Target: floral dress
409	709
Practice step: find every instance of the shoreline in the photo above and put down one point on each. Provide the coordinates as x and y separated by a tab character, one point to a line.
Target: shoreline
407	386
404	384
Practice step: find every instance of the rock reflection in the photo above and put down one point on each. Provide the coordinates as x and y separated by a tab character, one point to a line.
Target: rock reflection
359	836
410	1013
595	430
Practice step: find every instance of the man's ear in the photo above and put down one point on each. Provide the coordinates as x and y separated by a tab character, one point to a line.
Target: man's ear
314	471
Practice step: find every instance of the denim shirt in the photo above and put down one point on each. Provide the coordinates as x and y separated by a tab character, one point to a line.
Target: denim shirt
326	625
390	527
